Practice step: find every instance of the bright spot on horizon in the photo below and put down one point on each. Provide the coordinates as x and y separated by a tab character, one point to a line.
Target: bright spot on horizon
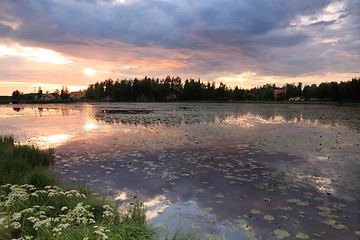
40	55
237	78
89	71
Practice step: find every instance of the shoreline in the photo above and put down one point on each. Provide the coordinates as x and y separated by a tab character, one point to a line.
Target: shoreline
340	104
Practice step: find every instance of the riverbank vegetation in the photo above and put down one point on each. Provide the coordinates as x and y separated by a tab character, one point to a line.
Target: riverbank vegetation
33	205
175	89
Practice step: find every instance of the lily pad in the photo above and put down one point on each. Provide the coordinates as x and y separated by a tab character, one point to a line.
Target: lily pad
303	203
255	211
302	236
334	224
208	210
323	208
241	222
269	217
347	198
285	208
281	234
319	234
250	234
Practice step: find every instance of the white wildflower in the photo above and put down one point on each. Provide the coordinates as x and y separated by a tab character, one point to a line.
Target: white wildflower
58	229
33	219
27	210
41	191
107	207
108	211
2	221
16	217
52	193
15	225
101	234
34	194
80	214
101	231
42	223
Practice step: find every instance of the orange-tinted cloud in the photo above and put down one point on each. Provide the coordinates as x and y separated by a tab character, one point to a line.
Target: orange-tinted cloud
56	42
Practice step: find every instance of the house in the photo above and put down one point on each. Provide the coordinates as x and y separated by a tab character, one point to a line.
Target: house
296	99
77	95
279	94
47	97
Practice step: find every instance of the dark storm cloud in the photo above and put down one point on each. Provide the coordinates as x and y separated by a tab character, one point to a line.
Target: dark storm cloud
173	24
4	29
265	31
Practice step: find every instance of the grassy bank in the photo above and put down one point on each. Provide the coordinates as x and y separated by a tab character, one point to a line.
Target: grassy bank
33	205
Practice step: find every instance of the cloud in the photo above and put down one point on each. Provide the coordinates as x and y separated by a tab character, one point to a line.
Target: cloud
4	29
33	54
190	37
171	24
89	71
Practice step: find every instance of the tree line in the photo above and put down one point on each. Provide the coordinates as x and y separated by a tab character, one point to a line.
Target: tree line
62	94
174	89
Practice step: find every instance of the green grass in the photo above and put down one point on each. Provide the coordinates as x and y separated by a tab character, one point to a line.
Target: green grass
20	162
34	204
181	234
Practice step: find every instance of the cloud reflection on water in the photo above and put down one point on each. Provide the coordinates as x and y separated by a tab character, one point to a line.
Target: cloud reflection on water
230	158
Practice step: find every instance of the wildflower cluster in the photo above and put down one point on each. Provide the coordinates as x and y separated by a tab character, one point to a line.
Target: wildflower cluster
101	231
22	211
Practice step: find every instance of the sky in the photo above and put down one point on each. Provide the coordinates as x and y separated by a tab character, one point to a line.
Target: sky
245	43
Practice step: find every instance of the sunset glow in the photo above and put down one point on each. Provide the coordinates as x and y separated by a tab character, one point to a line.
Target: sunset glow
244	43
89	71
39	55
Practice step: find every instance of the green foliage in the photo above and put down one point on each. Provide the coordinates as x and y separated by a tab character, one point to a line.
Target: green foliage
64	94
181	234
17	161
40	177
53	212
135	214
33	205
171	89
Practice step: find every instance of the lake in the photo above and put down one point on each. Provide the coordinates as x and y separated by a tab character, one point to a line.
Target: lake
229	171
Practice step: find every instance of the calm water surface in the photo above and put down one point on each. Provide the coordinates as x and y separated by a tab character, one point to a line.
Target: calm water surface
233	171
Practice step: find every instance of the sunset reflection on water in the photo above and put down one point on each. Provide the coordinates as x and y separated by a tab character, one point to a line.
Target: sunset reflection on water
209	166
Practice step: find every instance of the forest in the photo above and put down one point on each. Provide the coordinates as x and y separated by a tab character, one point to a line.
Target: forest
174	89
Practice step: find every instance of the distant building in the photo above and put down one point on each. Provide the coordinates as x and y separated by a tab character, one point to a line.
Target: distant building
296	99
47	97
77	95
279	94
